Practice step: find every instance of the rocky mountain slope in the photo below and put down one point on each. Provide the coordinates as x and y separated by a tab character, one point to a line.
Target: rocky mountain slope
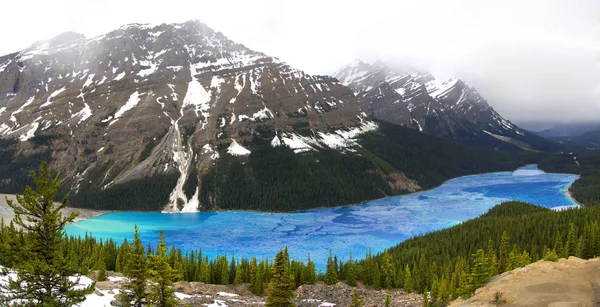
154	101
449	108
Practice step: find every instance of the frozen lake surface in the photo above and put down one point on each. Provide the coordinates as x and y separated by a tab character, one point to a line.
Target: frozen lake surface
374	225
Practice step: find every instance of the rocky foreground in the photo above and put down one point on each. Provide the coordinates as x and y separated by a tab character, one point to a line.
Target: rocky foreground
569	282
199	294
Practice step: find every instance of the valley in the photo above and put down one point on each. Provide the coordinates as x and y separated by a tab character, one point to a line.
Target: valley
225	176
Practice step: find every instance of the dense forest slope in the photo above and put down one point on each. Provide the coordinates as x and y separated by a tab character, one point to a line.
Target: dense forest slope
460	259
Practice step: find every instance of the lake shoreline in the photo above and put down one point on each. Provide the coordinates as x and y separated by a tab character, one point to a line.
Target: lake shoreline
90	213
7	214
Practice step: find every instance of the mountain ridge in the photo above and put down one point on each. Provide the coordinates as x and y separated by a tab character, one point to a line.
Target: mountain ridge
450	108
146	116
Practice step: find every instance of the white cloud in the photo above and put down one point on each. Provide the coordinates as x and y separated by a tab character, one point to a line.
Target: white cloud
532	59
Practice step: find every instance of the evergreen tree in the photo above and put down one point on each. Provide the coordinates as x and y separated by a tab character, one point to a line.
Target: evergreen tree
137	272
281	289
480	273
408	284
331	276
42	271
558	245
504	252
387	271
572	242
377	277
350	272
101	271
162	275
388	299
309	272
357	301
239	277
491	259
255	278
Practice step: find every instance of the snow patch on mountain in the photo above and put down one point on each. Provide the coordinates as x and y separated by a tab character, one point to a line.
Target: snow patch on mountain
133	100
52	96
236	149
84	114
30	133
437	90
197	97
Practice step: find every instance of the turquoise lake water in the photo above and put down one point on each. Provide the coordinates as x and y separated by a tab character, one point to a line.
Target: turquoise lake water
374	225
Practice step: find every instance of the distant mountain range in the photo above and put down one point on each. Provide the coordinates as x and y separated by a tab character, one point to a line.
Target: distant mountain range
449	108
176	116
586	135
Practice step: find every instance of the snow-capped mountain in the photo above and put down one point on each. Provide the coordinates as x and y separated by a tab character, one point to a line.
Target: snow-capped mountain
449	108
147	100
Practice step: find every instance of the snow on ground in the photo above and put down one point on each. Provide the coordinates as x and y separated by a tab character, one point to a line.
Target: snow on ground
133	100
236	149
89	80
30	133
401	91
264	113
217	303
28	102
54	94
119	76
182	296
152	67
437	89
85	113
208	149
95	300
227	294
197	96
296	142
115	278
276	141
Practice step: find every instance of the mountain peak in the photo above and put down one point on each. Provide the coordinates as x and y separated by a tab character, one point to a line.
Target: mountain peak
448	108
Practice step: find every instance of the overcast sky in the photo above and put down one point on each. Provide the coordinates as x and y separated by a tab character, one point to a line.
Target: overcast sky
534	60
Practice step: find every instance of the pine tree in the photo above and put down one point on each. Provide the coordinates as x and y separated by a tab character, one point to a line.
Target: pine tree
239	277
492	260
387	270
504	252
572	242
309	272
137	272
480	272
101	271
408	284
350	272
425	302
388	299
377	277
255	278
281	289
39	263
162	275
331	276
357	301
